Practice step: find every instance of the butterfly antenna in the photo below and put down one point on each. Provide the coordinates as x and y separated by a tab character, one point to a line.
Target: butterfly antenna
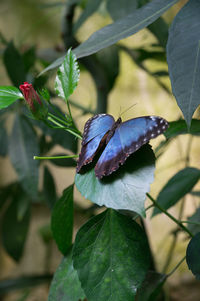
127	109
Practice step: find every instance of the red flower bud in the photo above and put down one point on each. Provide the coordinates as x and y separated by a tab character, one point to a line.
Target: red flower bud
33	101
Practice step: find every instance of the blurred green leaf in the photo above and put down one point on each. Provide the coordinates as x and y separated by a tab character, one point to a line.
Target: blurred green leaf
178	186
14	231
124	189
14	65
111	256
60	137
109	60
22	147
184	61
192	255
179	127
22	282
46	233
66	285
29	58
195	218
121	8
62	220
49	188
8	95
90	8
67	76
124	27
3	140
151	286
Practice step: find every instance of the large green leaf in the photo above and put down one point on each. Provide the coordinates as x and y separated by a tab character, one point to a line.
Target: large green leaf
66	285
121	8
67	76
91	7
178	186
192	255
8	95
62	220
124	27
111	256
14	65
22	147
14	231
183	55
124	189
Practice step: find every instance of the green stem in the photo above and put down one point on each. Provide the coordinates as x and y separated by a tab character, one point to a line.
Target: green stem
58	119
176	267
169	215
146	209
189	222
68	130
56	157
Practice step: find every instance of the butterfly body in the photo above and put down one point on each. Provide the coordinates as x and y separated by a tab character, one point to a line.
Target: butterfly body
117	139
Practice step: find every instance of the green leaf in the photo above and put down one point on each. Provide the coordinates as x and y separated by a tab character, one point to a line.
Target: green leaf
91	8
178	186
111	256
3	140
29	58
14	65
109	60
183	55
14	231
195	218
124	27
59	136
22	147
66	285
22	282
179	127
121	8
49	188
151	286
53	65
8	95
192	255
67	76
124	189
62	220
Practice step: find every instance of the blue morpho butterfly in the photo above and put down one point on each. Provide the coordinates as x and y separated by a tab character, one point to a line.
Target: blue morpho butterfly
117	139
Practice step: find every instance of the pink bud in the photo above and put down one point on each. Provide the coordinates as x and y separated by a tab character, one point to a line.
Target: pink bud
38	110
30	95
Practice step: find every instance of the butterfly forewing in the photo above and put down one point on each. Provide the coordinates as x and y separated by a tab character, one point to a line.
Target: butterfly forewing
94	130
97	125
127	139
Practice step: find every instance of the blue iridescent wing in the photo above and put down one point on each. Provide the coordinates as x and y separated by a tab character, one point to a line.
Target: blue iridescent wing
94	131
128	138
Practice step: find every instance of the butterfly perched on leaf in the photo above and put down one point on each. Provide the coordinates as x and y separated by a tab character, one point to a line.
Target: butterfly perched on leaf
115	140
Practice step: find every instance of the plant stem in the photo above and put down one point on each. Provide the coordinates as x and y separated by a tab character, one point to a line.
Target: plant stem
170	253
176	267
56	157
169	215
189	222
61	126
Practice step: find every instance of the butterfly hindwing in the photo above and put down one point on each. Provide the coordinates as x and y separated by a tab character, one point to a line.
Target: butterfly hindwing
94	130
128	138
